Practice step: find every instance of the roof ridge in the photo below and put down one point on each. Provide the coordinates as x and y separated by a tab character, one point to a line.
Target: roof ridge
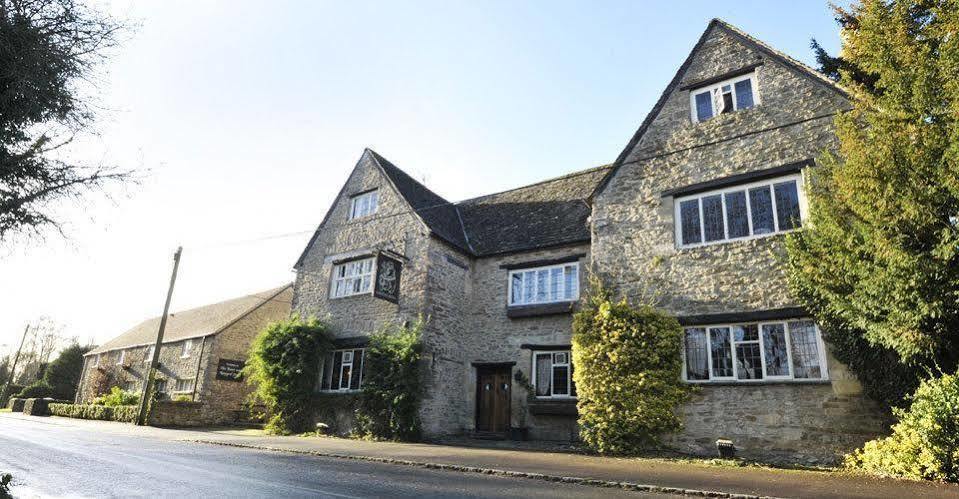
380	159
546	181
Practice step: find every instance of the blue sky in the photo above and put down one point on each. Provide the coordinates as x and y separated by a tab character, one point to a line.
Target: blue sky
245	118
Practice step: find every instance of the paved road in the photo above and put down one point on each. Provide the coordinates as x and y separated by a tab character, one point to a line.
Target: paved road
52	457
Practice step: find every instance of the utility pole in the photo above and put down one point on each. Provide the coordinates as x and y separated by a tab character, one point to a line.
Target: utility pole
13	368
155	361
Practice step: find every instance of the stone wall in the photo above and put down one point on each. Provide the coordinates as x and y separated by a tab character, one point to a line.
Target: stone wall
635	250
170	413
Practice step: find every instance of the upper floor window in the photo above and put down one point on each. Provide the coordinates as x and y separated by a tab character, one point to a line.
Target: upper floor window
96	361
187	349
352	278
790	350
121	357
553	374
148	355
183	385
342	370
550	284
723	97
365	204
743	211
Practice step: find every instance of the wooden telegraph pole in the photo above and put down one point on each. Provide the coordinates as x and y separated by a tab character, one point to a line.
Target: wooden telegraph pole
155	361
13	368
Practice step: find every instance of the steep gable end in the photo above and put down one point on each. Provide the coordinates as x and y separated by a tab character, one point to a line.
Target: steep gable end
723	52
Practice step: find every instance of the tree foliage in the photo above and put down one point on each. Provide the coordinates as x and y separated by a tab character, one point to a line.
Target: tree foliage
283	366
628	374
63	373
389	406
924	443
880	258
49	50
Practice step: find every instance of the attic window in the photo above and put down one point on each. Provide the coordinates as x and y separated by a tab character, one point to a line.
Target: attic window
723	97
363	205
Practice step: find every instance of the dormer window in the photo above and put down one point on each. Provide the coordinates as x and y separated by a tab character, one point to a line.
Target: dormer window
365	204
723	97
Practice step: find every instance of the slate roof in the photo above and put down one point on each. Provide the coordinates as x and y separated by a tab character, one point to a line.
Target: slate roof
195	322
545	214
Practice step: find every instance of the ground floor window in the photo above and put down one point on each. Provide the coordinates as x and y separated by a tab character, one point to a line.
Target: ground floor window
780	350
160	385
342	370
553	374
183	386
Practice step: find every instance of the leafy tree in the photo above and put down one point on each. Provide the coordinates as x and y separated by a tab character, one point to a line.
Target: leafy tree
49	50
628	374
63	374
283	366
879	261
389	406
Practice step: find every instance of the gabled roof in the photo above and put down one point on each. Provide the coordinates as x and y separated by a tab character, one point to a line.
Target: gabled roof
747	40
195	322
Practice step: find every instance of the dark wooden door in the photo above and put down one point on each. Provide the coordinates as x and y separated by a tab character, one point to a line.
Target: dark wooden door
493	387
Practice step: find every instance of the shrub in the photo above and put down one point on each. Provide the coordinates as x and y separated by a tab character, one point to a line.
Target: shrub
925	442
282	366
63	374
122	413
5	479
181	397
37	389
628	374
389	405
8	392
117	397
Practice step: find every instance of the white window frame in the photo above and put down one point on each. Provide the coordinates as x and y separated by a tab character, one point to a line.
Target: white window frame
790	378
96	360
561	289
334	278
343	363
148	357
187	349
552	364
372	199
186	381
768	183
121	357
716	86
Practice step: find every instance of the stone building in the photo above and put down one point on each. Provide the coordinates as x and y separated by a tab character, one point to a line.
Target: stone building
692	213
203	349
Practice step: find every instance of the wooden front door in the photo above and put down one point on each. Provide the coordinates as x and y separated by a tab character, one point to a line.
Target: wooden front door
493	387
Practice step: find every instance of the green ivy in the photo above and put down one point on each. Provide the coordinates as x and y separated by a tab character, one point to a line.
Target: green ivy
925	442
282	367
389	405
628	374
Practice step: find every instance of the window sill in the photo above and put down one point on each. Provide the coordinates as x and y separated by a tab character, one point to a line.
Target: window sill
553	407
737	240
347	297
764	382
338	392
539	309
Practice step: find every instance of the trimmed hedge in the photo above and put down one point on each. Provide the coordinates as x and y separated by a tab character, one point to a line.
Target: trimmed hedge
123	413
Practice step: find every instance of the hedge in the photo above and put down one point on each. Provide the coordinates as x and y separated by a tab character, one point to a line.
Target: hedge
123	413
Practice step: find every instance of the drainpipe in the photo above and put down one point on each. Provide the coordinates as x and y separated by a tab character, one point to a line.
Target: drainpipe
199	362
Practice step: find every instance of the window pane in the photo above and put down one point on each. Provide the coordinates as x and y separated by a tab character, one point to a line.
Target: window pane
555	283
358	362
561	380
544	366
345	377
736	215
721	351
517	296
542	285
727	100
744	94
761	205
704	107
572	281
746	332
713	218
787	205
337	362
749	364
774	348
689	220
529	283
805	349
696	358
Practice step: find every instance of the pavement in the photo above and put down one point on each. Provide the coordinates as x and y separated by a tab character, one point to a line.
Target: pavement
540	471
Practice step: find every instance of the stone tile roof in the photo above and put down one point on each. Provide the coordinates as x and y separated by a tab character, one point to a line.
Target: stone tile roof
195	322
548	213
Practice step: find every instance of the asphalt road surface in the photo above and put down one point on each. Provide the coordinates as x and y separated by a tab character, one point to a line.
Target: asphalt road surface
51	458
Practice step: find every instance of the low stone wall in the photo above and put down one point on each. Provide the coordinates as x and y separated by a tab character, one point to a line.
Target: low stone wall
15	404
40	407
808	423
170	413
336	411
